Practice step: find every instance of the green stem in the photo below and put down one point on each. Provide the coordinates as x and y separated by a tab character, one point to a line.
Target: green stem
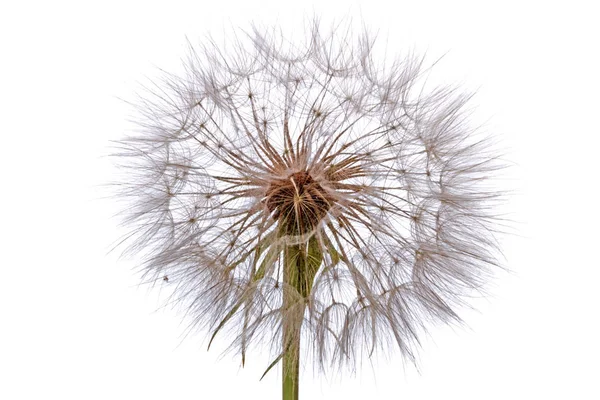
291	327
302	262
291	367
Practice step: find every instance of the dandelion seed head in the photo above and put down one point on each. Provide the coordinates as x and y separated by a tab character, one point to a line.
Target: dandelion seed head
320	153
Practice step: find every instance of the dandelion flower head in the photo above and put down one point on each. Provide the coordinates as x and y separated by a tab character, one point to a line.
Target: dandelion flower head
264	151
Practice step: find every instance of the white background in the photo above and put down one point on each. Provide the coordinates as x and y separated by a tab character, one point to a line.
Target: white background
76	325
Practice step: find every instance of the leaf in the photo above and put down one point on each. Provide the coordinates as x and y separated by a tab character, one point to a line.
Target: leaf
270	258
333	253
279	357
314	259
230	314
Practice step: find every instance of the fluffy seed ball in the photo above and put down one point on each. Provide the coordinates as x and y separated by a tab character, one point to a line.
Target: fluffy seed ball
374	183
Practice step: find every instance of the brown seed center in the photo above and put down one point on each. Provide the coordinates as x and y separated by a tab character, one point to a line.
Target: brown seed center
297	202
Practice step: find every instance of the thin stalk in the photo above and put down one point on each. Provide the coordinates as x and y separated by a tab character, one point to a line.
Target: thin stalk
302	262
291	364
293	269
